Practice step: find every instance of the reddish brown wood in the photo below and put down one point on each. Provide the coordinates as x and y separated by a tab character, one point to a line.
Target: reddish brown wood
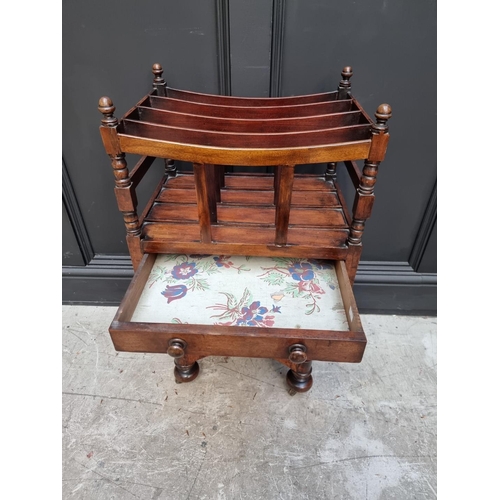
213	189
134	248
233	341
216	139
184	180
364	199
186	369
379	147
277	181
185	95
299	378
265	182
159	82
207	210
251	112
283	202
352	260
178	245
246	237
261	215
245	156
350	307
140	169
343	204
110	140
151	201
241	125
299	198
172	195
278	215
357	106
353	171
124	190
126	198
186	366
221	172
254	181
344	90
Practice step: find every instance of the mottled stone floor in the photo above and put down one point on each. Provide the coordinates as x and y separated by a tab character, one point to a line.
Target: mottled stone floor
364	431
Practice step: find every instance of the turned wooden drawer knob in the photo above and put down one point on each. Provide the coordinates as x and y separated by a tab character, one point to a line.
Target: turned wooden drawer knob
176	348
297	353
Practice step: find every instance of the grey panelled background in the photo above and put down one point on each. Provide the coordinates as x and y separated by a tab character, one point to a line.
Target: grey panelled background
255	48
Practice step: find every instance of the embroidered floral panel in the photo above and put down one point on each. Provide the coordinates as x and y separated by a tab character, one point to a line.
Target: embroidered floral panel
242	291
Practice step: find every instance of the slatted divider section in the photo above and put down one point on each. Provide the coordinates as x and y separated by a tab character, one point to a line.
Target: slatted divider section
185	214
249	112
252	190
279	210
216	139
247	125
185	95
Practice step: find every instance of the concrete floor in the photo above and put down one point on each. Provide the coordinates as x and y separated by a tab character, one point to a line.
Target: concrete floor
364	431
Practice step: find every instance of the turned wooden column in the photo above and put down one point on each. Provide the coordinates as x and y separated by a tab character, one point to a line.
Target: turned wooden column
160	85
363	201
170	168
159	82
344	87
124	190
331	173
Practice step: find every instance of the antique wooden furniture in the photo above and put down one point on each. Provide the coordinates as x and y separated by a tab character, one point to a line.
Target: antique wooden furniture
298	236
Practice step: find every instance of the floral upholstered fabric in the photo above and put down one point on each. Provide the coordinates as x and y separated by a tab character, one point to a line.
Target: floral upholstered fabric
242	291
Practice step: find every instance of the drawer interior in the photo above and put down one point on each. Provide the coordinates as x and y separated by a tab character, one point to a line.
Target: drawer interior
242	291
241	306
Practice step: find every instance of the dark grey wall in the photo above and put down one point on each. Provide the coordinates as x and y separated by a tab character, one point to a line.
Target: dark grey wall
256	48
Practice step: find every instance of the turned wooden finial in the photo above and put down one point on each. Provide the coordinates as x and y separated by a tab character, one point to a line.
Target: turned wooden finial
107	108
344	84
158	82
157	71
383	113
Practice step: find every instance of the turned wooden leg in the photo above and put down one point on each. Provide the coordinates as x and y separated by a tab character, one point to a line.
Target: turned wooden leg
298	377
186	367
185	373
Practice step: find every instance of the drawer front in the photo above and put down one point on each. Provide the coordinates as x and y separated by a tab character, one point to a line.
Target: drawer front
262	306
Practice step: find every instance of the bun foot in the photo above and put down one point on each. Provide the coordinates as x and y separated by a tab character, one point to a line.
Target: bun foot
186	373
299	382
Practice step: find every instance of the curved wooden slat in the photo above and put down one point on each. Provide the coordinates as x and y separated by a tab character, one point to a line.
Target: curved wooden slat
244	156
239	125
264	112
239	140
185	95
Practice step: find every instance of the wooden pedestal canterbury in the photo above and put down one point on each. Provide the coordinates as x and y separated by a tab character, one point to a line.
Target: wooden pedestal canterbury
300	239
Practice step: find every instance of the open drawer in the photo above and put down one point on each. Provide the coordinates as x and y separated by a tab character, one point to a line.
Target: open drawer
192	306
